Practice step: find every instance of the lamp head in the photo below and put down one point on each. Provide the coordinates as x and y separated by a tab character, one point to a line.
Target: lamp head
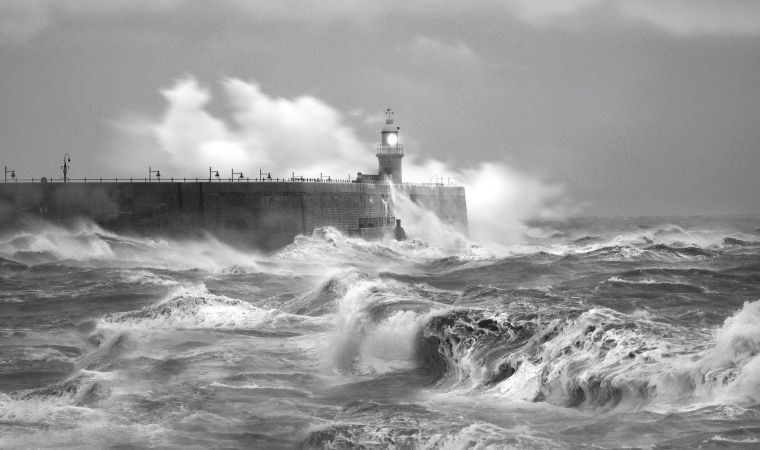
217	174
241	176
158	174
13	174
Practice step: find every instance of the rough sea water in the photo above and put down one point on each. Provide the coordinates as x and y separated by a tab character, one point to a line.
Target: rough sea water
589	332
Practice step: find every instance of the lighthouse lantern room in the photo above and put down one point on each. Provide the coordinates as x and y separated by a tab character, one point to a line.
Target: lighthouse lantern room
390	151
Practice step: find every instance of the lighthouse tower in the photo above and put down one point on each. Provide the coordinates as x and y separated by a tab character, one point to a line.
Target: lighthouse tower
389	151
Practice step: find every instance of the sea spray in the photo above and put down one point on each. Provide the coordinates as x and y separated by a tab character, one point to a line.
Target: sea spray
195	307
85	243
421	223
375	325
732	368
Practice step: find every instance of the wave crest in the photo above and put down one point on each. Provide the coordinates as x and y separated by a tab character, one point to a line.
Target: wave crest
600	359
197	308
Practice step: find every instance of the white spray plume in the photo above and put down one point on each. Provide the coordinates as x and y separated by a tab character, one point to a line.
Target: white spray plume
308	137
499	198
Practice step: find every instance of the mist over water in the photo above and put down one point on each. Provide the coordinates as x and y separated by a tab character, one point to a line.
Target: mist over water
584	332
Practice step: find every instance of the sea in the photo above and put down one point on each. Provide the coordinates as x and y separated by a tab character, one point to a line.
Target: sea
581	332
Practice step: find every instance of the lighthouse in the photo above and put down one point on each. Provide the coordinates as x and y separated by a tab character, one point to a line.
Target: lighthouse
389	151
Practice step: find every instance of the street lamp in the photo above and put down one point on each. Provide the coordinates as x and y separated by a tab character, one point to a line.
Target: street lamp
151	172
236	173
66	166
12	172
216	174
261	175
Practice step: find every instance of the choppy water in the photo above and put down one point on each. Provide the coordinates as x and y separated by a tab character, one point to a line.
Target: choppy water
607	333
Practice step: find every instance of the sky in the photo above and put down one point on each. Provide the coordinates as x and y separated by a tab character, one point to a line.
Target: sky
540	108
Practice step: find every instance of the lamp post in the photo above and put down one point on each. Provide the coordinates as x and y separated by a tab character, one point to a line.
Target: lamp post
216	174
66	166
232	178
261	175
12	172
151	172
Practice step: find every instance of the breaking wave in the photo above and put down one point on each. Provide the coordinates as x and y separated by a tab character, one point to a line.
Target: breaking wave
188	308
375	323
599	359
87	244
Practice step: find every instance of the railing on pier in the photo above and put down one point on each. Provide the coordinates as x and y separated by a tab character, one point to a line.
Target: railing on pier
385	149
436	181
294	179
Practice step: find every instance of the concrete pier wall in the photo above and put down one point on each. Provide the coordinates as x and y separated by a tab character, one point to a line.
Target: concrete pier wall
265	215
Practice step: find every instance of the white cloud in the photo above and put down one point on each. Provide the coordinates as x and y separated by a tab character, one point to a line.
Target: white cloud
682	17
308	10
302	135
423	49
23	19
685	17
547	11
190	137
